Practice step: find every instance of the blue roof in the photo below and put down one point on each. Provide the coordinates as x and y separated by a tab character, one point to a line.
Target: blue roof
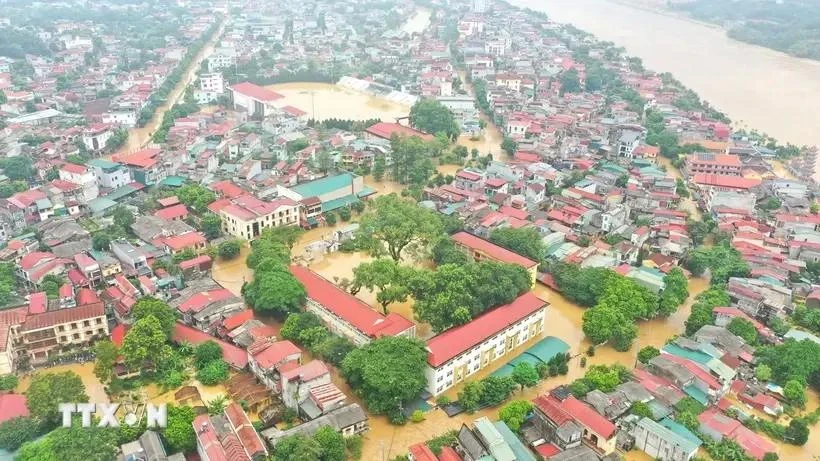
542	351
173	181
518	448
324	185
681	430
695	356
342	202
670	435
696	394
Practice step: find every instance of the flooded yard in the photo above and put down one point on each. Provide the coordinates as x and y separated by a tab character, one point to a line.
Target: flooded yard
93	387
323	101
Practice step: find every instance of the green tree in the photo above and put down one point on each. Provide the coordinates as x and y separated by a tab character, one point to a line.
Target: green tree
763	373
387	372
795	393
145	342
16	431
792	360
525	241
229	249
744	329
647	353
509	146
469	398
379	168
412	159
206	353
51	288
298	447
385	277
150	306
797	432
211	226
622	180
101	241
106	355
603	378
525	375
675	292
8	382
267	249
430	116
515	413
19	167
570	82
73	443
213	373
332	444
196	196
396	225
47	390
179	434
496	389
285	235
641	409
324	162
275	291
330	218
599	323
446	252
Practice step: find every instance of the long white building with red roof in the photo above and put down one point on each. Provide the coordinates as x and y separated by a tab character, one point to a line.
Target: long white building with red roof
256	100
461	351
347	315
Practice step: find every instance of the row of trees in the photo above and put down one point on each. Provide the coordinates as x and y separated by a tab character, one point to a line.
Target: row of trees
721	260
274	290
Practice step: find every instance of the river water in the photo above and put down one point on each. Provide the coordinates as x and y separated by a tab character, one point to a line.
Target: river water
755	86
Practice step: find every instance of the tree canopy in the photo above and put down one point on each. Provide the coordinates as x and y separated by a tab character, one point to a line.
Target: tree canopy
196	196
430	116
275	291
179	434
150	306
387	372
47	390
383	276
515	413
792	360
145	342
394	226
73	443
525	241
722	262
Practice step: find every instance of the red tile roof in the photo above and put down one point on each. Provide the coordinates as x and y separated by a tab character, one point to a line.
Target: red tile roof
13	406
720	180
546	450
168	201
588	417
449	454
200	300
348	307
256	92
275	354
227	189
193	262
183	241
87	296
307	372
552	409
247	435
696	370
456	340
208	439
172	212
235	356
469	175
385	130
74	168
118	334
514	212
492	250
422	452
34	258
62	316
237	319
144	158
38	303
495	182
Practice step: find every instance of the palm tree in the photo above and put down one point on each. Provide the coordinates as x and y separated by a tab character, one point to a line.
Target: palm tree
217	405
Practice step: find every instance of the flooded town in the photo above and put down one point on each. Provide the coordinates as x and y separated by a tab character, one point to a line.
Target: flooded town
426	230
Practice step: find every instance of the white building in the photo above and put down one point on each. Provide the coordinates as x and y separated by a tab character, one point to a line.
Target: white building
257	101
479	6
628	142
211	87
246	216
461	351
109	174
661	443
82	176
221	58
125	118
95	136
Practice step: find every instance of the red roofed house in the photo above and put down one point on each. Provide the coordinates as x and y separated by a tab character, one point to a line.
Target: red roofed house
36	265
257	101
145	165
559	408
461	351
229	436
385	130
188	241
345	314
49	332
297	382
481	249
711	163
266	358
235	356
246	216
203	309
421	452
83	177
557	427
173	212
717	426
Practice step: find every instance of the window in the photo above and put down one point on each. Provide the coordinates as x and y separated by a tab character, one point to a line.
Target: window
99	321
73	326
87	323
61	328
76	336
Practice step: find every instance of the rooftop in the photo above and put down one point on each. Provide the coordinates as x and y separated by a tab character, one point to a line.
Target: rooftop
491	249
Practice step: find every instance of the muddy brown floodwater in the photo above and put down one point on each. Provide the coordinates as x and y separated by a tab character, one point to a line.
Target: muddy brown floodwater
326	100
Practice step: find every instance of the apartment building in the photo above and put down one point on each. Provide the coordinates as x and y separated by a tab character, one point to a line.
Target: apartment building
710	163
459	352
481	249
246	216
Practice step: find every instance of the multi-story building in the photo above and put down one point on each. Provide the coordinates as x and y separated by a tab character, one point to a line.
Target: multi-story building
125	118
211	87
246	216
258	102
709	163
109	174
95	136
665	442
83	177
345	314
461	351
222	57
325	194
480	249
566	421
145	165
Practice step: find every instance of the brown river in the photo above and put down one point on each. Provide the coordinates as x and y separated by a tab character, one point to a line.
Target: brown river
755	86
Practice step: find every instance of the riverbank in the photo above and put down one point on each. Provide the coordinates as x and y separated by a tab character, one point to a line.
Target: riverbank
755	86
